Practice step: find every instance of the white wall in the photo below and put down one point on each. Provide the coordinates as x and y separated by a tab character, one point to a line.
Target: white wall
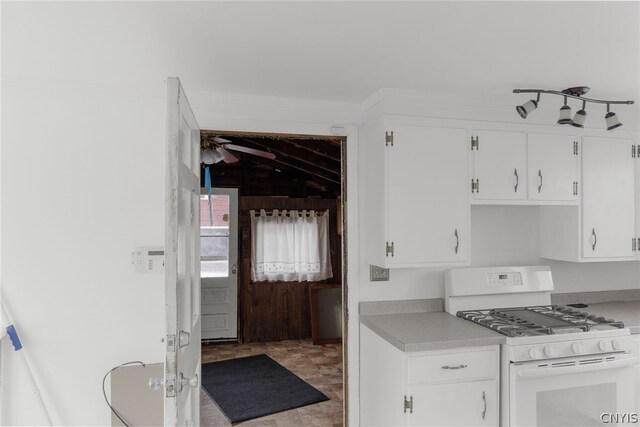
82	186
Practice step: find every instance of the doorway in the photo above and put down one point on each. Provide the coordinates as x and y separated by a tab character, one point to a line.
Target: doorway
219	263
300	172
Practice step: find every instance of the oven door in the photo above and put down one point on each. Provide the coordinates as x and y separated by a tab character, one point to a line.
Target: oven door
585	391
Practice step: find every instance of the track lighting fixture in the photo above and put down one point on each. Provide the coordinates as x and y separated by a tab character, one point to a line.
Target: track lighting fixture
565	114
581	115
565	111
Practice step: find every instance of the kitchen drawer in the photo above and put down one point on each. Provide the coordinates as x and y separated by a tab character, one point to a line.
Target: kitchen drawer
452	367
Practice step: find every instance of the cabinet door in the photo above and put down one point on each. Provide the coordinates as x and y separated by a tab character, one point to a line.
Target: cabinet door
608	198
428	209
461	404
499	165
553	167
637	197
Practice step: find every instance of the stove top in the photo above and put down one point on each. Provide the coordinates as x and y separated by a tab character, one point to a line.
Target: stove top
538	320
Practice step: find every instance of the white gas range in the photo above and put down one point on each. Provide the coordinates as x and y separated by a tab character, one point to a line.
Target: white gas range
559	366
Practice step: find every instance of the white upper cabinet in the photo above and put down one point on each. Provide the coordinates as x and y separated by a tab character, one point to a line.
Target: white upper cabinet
499	166
415	192
604	226
553	162
608	198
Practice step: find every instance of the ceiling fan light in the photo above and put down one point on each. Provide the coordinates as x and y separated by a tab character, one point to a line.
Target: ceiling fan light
612	121
209	156
565	115
526	108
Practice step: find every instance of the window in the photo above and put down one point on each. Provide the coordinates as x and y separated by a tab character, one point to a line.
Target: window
214	236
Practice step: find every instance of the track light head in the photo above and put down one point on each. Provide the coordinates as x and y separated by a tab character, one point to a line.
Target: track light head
528	107
565	114
612	120
580	117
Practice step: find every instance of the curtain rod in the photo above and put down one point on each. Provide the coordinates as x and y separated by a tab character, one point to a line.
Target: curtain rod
277	212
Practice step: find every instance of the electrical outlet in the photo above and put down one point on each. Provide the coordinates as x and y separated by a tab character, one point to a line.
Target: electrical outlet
378	274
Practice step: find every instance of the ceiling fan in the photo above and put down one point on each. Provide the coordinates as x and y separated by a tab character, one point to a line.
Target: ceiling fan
217	149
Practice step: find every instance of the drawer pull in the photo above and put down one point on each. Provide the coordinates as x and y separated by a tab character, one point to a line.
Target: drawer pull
454	367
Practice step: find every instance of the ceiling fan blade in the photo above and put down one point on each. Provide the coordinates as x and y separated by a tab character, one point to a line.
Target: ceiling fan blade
220	140
227	157
248	150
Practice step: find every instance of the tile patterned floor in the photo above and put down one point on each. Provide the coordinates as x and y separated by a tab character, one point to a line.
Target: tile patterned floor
319	365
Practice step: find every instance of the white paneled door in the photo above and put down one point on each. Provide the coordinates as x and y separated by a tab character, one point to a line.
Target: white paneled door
219	263
182	262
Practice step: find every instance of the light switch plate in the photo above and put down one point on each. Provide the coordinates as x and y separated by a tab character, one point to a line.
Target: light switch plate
378	274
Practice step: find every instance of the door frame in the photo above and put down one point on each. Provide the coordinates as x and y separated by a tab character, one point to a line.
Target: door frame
231	192
348	138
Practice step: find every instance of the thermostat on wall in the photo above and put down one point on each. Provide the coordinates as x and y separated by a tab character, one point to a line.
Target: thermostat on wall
148	260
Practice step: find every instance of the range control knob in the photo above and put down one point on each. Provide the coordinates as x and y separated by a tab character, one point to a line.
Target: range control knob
533	354
577	347
605	345
618	345
550	351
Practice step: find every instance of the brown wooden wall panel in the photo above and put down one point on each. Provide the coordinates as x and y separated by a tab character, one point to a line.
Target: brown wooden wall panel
275	311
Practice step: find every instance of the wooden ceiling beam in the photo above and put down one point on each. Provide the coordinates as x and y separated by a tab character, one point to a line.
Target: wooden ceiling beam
298	155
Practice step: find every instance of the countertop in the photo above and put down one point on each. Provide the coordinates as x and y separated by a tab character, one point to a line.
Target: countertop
425	331
628	312
438	330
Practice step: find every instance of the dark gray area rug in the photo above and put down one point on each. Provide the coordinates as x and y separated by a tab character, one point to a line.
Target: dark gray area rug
255	386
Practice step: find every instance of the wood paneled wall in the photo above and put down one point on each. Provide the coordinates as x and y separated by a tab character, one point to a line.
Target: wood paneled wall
274	311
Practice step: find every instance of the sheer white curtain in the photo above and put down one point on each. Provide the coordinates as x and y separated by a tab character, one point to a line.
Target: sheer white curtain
290	246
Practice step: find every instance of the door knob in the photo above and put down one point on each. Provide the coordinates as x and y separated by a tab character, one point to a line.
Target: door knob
192	381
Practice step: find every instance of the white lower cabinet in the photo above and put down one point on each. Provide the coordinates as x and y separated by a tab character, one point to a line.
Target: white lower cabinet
453	387
460	404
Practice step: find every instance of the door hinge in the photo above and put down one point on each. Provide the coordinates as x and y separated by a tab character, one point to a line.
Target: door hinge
634	244
575	188
388	138
575	148
408	404
638	244
635	151
475	143
475	186
390	248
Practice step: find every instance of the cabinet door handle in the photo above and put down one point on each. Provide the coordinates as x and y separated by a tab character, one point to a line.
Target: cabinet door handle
540	176
457	240
484	400
453	367
515	188
595	239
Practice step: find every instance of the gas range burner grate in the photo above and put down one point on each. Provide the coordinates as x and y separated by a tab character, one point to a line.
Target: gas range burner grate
538	320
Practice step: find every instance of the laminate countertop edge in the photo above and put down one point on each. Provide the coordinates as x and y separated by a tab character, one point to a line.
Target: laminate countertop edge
414	332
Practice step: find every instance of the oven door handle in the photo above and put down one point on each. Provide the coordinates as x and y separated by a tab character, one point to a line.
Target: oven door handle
548	372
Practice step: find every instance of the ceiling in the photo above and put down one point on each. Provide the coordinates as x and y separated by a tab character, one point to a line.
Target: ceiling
342	51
